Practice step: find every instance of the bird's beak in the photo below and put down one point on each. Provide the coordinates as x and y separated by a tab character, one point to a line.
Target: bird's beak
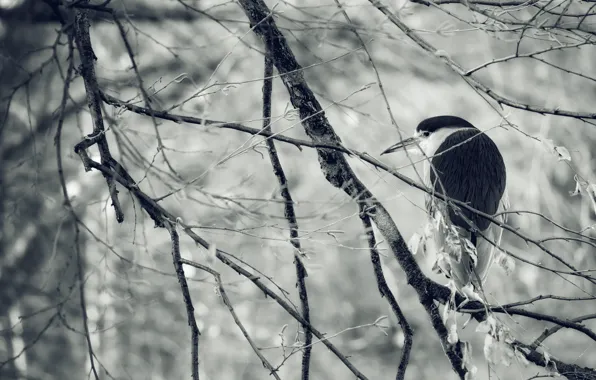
401	145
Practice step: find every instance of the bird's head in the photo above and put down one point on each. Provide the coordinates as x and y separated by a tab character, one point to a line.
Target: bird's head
430	134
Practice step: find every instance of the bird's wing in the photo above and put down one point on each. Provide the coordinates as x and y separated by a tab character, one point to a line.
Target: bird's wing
468	167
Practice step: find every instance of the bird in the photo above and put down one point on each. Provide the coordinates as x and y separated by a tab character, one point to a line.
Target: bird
464	164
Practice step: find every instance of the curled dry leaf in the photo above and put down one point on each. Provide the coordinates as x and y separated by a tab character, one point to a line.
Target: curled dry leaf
563	153
560	151
578	187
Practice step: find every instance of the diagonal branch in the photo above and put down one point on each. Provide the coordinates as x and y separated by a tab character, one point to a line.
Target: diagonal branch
570	371
162	218
336	168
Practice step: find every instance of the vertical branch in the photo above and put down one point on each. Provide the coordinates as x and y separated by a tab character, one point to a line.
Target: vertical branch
386	292
190	310
83	41
290	215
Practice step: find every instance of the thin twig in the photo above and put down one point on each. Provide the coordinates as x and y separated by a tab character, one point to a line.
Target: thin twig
290	215
228	303
83	42
190	310
145	95
388	294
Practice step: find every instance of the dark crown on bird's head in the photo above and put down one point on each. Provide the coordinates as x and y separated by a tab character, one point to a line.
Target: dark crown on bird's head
433	124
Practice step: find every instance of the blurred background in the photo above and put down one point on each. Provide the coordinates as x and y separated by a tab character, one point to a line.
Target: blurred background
200	59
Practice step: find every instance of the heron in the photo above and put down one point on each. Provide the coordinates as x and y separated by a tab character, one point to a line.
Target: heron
463	164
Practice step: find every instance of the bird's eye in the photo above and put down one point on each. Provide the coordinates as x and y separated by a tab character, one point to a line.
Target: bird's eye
426	133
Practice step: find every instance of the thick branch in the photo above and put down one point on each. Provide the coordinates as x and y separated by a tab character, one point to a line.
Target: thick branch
570	371
335	167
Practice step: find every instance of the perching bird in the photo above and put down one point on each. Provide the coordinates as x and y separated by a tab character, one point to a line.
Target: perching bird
466	166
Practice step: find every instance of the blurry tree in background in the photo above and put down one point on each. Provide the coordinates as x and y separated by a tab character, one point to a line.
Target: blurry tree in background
190	188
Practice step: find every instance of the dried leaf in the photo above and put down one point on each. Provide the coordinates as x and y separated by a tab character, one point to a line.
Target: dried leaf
546	357
563	153
445	315
471	374
578	187
489	349
560	151
468	291
414	243
467	361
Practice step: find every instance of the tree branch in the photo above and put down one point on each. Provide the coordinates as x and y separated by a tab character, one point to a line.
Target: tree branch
83	42
190	310
335	167
470	79
388	295
290	215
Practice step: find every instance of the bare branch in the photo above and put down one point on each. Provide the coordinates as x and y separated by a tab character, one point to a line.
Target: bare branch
83	41
228	303
162	218
290	215
431	289
490	3
386	292
190	310
570	371
338	147
470	79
